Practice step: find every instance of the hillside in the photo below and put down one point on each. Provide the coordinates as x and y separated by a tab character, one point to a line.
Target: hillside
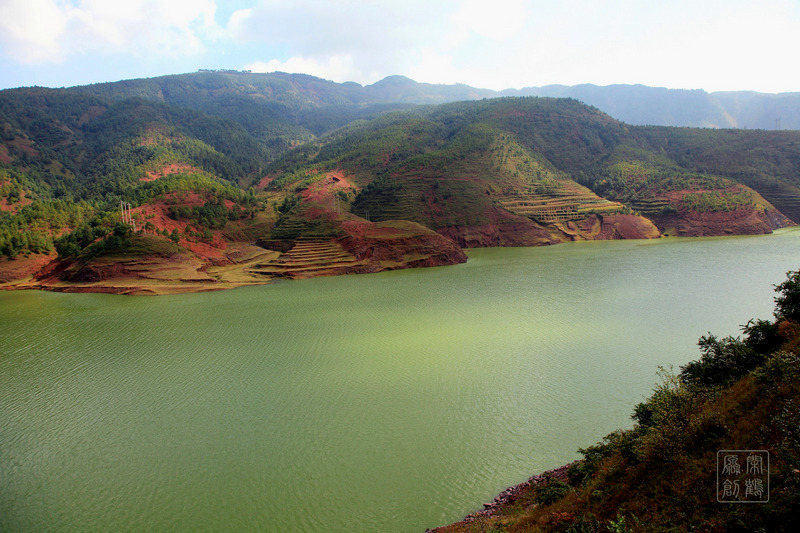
68	160
219	160
672	471
280	110
538	170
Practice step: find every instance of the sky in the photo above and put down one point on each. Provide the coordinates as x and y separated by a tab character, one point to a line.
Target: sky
494	44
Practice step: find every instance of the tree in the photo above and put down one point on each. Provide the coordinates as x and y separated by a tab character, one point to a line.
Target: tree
787	303
122	230
722	363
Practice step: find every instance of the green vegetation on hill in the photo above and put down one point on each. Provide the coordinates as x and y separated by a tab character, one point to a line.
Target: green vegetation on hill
766	161
451	165
213	213
662	474
647	180
68	156
89	242
279	110
282	95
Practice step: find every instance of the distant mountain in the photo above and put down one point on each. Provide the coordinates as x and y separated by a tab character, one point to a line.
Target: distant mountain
306	104
642	105
406	90
634	104
278	109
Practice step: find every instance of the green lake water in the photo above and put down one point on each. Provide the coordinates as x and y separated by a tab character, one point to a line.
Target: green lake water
384	402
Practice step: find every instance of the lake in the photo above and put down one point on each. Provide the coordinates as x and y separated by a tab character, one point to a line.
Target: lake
383	402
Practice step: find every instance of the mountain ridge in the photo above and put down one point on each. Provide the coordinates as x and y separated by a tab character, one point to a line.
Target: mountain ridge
635	104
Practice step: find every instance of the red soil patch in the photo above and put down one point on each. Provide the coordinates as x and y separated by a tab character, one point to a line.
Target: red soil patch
4	155
23	267
632	227
25	145
362	229
322	191
399	244
679	194
5	206
213	251
609	227
744	220
174	168
266	180
157	213
502	229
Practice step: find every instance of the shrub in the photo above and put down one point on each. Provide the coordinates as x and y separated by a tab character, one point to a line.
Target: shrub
780	367
762	336
722	362
552	491
585	524
787	303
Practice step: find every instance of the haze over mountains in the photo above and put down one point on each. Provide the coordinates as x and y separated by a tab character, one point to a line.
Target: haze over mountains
633	104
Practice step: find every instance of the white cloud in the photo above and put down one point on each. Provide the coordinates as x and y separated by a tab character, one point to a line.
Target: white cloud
378	36
429	64
713	44
498	20
29	29
34	31
237	24
336	68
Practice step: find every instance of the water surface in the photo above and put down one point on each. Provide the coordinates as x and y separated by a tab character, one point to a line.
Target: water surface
386	402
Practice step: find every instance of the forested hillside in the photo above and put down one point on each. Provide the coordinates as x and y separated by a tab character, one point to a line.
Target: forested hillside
280	110
284	157
67	157
470	164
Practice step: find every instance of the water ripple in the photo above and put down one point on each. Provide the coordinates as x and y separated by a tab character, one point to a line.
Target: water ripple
396	401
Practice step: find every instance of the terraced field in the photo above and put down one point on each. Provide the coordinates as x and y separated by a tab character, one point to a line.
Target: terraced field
649	206
309	258
430	201
785	197
559	203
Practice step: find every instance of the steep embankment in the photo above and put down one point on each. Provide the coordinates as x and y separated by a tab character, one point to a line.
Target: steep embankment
722	432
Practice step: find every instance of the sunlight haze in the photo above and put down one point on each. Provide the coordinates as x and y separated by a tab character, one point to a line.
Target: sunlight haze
697	44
